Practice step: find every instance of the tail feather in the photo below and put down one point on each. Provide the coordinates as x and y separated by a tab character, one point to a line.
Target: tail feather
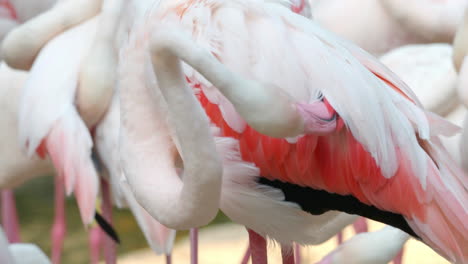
446	223
69	146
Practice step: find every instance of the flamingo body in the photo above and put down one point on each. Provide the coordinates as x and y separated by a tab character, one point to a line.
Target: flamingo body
16	166
49	122
384	153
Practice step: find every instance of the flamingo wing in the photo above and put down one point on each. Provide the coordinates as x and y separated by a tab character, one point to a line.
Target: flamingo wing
387	155
48	120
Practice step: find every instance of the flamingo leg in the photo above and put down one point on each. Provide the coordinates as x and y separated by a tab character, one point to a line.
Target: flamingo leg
59	226
297	253
10	216
94	240
339	237
287	254
360	225
257	248
399	257
168	259
246	257
109	245
194	246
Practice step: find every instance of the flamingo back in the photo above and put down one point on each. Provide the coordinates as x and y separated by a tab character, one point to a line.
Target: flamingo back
387	155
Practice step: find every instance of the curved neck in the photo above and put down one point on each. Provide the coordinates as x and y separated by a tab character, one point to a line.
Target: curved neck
198	200
21	46
111	13
98	70
460	43
266	108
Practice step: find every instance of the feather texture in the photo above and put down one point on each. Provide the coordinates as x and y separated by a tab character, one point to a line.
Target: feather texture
48	118
385	155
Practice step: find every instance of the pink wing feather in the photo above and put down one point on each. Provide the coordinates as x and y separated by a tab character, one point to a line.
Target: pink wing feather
387	155
48	120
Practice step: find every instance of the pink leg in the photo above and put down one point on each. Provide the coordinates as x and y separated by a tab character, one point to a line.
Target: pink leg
10	216
360	225
287	254
246	257
110	249
168	259
94	240
339	237
257	248
399	258
194	246
58	228
297	253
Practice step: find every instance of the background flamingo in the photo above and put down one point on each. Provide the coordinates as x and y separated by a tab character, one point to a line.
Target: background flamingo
20	253
380	26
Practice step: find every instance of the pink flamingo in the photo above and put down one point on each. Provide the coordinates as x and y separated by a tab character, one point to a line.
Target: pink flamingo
16	166
461	65
380	26
428	70
20	253
23	44
49	123
319	228
97	71
377	247
394	143
22	168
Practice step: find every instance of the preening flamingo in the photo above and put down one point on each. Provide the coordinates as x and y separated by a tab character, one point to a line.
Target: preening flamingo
428	70
334	110
380	26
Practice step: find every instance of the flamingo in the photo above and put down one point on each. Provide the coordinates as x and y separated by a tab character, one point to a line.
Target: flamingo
13	169
23	44
394	143
428	70
136	99
461	65
99	76
16	166
381	26
59	131
20	253
377	247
